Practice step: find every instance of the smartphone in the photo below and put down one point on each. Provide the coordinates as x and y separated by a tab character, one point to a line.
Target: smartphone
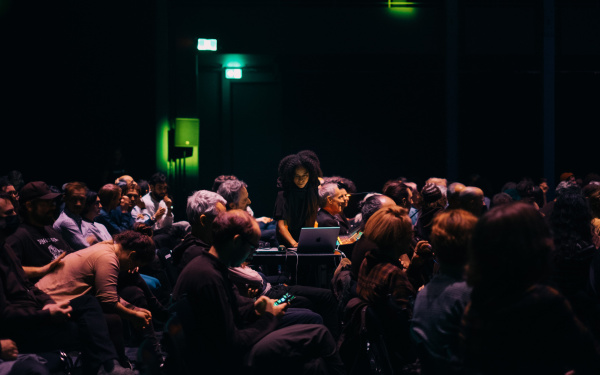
285	298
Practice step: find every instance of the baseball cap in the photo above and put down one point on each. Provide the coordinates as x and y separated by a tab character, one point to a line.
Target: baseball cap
36	190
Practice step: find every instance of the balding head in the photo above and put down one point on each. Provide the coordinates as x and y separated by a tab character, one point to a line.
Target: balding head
471	199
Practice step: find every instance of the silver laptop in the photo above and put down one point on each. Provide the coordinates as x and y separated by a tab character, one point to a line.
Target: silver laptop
318	240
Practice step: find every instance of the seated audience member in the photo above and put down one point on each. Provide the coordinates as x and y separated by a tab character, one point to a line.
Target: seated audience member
235	193
331	201
347	188
433	203
298	199
70	223
226	338
110	200
547	209
158	204
515	325
133	193
7	187
367	208
525	190
95	270
383	282
319	300
38	324
453	193
90	211
594	203
573	254
440	304
202	208
400	193
442	184
35	242
471	199
500	199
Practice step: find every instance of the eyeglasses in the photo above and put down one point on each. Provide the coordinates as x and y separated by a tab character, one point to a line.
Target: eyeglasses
133	196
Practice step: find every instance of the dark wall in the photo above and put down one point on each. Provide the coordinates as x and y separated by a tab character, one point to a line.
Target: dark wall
361	86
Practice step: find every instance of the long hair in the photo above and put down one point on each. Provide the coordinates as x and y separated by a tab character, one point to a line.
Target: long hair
307	210
390	229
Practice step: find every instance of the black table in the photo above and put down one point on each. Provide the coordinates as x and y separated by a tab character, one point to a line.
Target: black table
304	269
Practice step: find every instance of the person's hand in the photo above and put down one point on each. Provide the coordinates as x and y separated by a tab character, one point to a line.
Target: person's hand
141	318
264	219
134	270
252	292
9	350
169	202
267	305
159	213
54	265
59	312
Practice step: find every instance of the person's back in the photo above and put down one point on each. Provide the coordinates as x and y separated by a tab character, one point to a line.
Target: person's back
440	304
513	323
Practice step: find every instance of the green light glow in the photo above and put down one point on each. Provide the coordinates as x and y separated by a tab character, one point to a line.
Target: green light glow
162	146
234	64
207	44
402	8
233	73
187	132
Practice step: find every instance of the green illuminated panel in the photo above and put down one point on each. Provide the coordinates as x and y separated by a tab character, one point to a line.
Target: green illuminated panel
187	132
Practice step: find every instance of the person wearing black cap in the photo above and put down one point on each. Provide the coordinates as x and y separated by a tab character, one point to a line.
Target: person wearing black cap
35	242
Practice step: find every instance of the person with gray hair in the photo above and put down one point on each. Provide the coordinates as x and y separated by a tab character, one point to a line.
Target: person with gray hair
331	201
235	193
203	207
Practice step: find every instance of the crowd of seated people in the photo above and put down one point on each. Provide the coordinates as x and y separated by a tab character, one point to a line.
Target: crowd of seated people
447	278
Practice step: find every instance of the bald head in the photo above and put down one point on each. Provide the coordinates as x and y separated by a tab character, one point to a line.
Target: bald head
471	199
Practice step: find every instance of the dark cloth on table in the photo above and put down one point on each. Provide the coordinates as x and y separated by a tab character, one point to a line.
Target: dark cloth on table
293	207
325	219
528	332
35	246
32	328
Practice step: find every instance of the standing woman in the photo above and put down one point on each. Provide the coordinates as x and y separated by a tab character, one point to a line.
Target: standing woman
297	201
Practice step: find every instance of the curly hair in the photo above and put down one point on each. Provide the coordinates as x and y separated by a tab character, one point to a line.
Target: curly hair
135	240
571	221
287	170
